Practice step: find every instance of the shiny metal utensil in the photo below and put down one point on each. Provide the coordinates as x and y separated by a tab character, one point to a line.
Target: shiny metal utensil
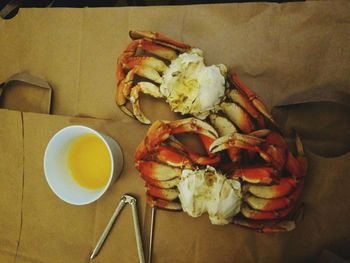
125	199
150	247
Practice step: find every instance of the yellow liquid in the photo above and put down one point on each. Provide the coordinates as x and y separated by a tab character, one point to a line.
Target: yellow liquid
89	161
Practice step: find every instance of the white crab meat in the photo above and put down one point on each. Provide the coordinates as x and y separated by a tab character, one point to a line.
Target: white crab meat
209	191
191	87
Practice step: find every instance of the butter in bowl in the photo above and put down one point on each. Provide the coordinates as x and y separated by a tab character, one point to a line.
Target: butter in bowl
80	164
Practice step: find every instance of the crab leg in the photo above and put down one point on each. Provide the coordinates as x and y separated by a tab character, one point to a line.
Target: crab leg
237	140
121	100
225	127
125	85
252	97
274	204
170	156
267	204
272	151
276	227
284	187
193	125
265	215
151	62
207	133
203	160
165	194
238	116
246	104
157	171
256	175
146	88
162	130
159	38
173	206
222	125
149	46
196	157
275	148
271	226
297	166
128	59
162	184
262	133
143	71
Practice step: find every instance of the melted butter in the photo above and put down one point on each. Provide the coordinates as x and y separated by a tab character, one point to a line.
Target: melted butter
89	161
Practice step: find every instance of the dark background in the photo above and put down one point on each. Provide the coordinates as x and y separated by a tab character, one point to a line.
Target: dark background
9	8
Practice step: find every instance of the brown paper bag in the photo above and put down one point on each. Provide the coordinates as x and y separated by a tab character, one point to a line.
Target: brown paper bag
277	49
322	116
70	232
11	183
35	225
24	92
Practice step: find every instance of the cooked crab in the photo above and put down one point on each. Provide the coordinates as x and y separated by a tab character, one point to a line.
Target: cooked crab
265	188
176	72
247	176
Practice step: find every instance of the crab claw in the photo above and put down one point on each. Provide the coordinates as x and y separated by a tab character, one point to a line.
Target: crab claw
160	39
146	88
164	204
193	125
252	97
236	140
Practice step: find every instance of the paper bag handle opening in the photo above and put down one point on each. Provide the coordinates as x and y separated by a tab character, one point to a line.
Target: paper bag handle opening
321	116
25	92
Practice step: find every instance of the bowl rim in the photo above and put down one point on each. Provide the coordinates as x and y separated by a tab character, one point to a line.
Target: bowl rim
46	169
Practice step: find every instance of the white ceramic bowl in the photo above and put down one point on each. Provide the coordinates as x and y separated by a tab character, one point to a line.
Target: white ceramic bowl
56	166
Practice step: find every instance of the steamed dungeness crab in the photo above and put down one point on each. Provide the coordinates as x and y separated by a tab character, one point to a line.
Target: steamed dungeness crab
247	176
176	72
258	192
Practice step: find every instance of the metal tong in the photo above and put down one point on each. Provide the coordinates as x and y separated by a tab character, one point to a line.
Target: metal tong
125	199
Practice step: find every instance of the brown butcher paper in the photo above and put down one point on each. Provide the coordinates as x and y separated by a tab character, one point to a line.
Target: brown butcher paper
278	50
